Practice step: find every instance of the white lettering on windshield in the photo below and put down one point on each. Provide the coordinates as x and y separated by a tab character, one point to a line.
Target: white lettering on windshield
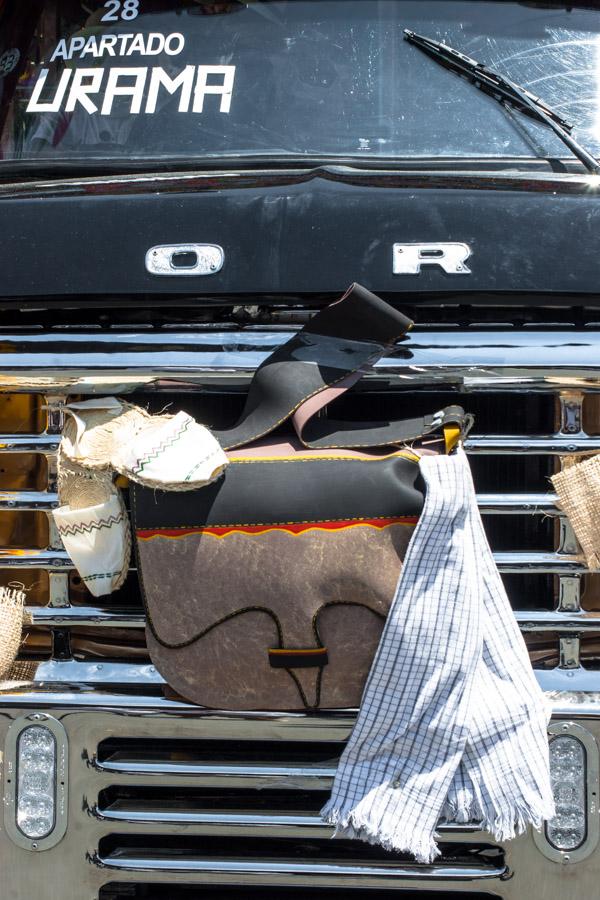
79	91
225	89
114	89
107	42
107	84
35	105
142	44
183	82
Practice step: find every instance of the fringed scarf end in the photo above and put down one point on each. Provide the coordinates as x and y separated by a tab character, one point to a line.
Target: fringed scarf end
365	822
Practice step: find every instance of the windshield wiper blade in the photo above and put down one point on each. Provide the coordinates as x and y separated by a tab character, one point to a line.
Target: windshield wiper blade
505	91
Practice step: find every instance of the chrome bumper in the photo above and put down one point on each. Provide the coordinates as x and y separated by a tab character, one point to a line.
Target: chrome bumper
141	839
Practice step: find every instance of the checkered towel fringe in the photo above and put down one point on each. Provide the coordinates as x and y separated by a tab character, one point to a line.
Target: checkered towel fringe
452	724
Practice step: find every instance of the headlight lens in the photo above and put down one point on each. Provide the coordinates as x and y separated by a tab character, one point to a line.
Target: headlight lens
36	781
567	830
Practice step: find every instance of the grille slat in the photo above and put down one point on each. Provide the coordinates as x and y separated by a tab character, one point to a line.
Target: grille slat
507	561
235	824
478	359
52	560
518	504
551	445
306	778
28	501
536	563
29	443
71	617
376	873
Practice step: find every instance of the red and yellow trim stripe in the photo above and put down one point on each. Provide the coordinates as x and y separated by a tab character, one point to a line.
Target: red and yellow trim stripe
294	528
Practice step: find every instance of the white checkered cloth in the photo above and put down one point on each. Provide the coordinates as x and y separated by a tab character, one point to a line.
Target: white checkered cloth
452	724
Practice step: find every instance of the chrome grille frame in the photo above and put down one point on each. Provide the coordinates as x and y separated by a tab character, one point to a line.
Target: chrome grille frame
94	700
564	363
81	864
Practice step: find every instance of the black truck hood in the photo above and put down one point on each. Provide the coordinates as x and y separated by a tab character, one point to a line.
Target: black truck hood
300	232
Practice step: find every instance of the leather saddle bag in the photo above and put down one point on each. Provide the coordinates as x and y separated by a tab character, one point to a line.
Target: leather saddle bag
268	589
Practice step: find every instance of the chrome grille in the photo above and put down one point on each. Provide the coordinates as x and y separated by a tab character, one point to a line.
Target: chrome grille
172	801
238	800
531	379
325	863
166	794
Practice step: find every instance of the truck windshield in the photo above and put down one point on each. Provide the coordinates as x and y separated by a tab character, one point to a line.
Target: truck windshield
164	81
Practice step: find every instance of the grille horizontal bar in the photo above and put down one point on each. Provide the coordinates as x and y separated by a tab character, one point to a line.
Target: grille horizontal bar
53	560
87	616
552	445
497	444
24	501
120	362
107	675
158	889
532	562
516	504
151	698
510	561
555	621
307	776
296	871
29	443
235	824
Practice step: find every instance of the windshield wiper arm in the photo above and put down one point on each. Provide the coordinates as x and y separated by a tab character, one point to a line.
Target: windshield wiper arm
505	91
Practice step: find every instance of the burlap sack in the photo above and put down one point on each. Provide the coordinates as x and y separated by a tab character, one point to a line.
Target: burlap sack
22	670
12	600
578	491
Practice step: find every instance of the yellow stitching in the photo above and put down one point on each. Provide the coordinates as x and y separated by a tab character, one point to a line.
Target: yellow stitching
403	454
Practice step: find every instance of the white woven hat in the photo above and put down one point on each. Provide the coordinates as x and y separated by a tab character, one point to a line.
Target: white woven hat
98	540
165	451
104	436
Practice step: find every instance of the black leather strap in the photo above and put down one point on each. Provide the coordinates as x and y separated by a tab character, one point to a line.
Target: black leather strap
324	433
331	351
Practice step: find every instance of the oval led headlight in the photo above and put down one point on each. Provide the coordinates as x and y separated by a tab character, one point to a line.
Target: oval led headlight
574	831
567	830
35	781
